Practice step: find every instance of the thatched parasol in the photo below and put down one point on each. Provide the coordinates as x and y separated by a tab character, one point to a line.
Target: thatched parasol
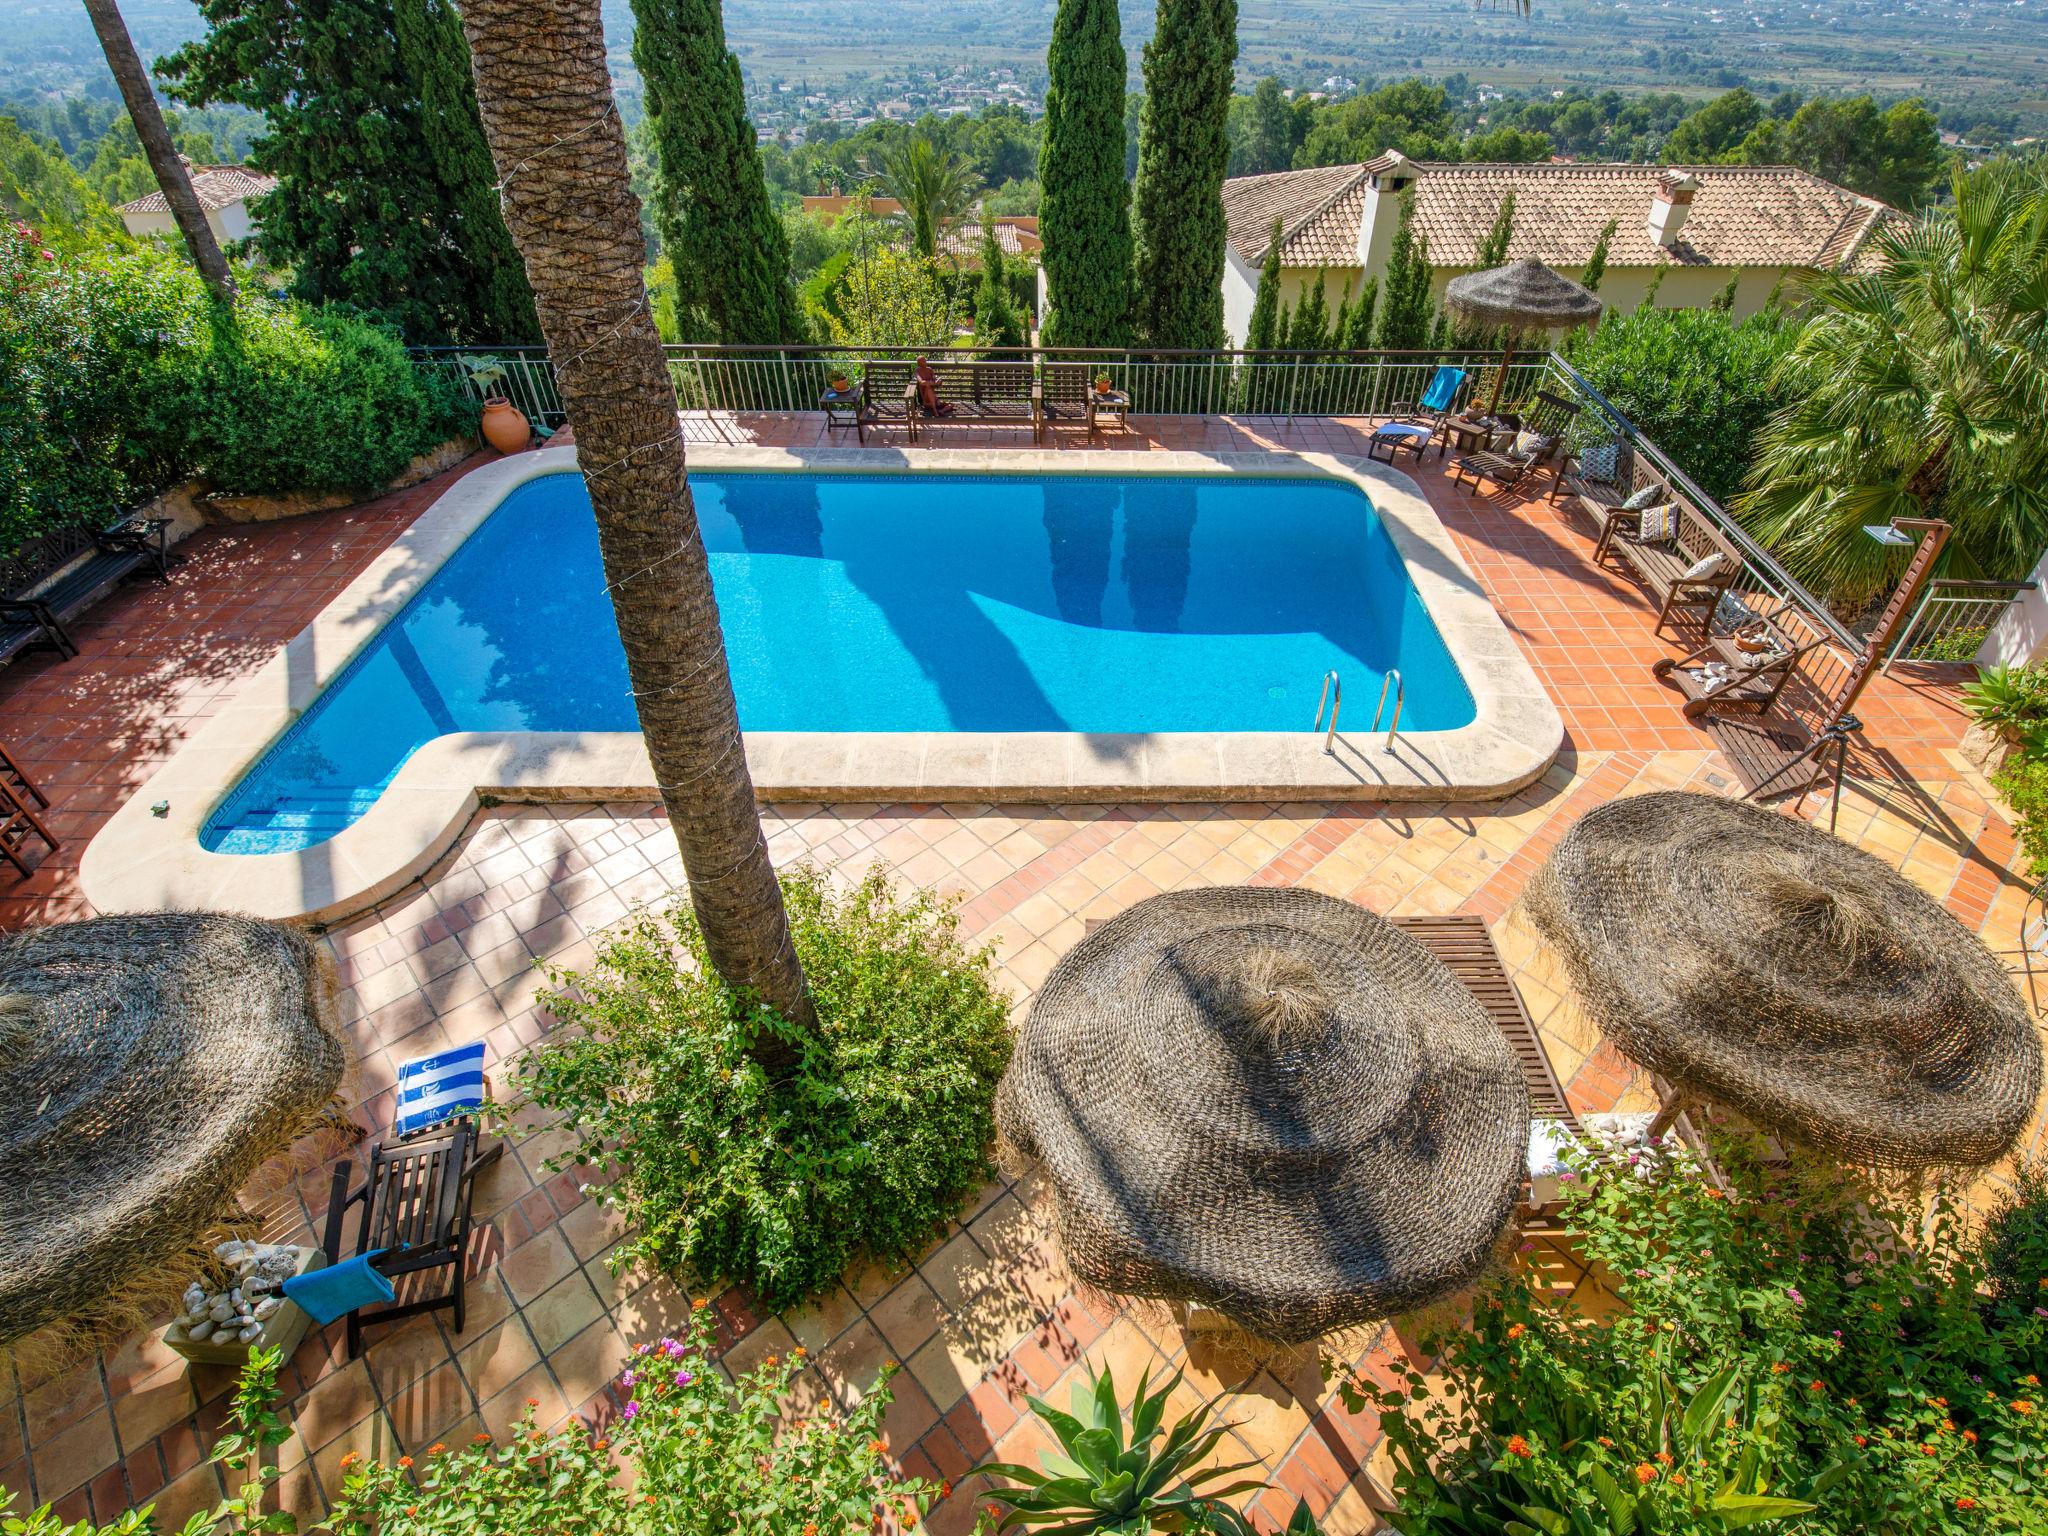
1762	963
1271	1102
148	1065
1522	296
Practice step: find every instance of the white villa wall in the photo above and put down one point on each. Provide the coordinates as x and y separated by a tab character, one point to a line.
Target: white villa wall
229	223
2021	634
1240	287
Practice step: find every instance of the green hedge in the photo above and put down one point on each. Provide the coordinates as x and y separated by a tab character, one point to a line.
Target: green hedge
120	377
1695	382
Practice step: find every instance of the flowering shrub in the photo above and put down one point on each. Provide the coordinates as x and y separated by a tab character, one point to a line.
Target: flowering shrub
703	1457
877	1136
1796	1336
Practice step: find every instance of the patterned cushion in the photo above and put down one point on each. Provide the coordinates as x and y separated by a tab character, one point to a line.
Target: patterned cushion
1705	566
1643	498
1599	462
1658	524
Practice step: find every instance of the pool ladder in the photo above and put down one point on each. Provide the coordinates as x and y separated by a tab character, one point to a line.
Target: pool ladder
1333	700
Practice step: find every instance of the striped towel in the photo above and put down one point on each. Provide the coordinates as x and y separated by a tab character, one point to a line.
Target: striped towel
434	1088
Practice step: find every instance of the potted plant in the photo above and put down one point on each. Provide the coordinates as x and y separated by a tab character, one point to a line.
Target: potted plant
843	379
1102	383
505	426
2009	715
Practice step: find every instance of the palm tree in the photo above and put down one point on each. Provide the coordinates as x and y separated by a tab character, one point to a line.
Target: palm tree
554	131
164	160
1920	389
936	189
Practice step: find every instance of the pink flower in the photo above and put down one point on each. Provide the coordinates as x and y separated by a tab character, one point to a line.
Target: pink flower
672	1349
632	1411
684	1378
628	1379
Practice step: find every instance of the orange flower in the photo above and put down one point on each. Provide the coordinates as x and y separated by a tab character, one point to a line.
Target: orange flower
799	1352
1926	1450
349	1460
946	1489
1607	1442
1779	1367
1948	1426
699	1304
879	1447
1816	1386
1969	1437
2032	1381
405	1461
1678	1479
1861	1440
1966	1503
1711	1193
1517	1331
1664	1458
436	1448
1645	1473
2022	1407
773	1361
810	1528
533	1402
1517	1446
480	1439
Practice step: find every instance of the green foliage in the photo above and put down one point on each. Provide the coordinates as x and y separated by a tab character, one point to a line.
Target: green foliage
705	1457
724	242
1408	115
372	131
1714	131
878	1134
1493	250
2016	1256
995	322
1183	153
1104	1480
893	298
1085	217
1700	385
436	58
2023	784
39	188
1915	391
1893	153
1262	331
1407	311
1596	264
935	187
1795	1339
1266	129
123	377
1308	330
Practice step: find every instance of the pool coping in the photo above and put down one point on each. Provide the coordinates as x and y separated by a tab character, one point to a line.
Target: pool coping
142	860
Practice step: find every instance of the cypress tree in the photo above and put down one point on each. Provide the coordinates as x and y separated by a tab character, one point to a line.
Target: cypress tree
1183	154
728	250
1494	250
1406	308
1596	265
1262	330
1309	329
430	41
1724	301
995	322
1357	333
1085	218
346	134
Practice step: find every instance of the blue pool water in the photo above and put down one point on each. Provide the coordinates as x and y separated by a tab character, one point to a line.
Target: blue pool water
890	603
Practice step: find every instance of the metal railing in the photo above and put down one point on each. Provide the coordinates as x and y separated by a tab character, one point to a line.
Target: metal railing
1162	383
1764	589
1953	618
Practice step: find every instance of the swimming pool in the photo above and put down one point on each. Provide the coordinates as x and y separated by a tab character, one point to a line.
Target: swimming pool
876	603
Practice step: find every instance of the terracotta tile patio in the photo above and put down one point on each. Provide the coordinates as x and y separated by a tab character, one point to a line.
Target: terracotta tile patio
988	1311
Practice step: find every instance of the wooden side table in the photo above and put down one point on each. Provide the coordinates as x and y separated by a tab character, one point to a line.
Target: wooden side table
1109	404
842	410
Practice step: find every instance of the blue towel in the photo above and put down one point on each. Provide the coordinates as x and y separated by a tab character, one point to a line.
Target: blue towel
340	1288
433	1088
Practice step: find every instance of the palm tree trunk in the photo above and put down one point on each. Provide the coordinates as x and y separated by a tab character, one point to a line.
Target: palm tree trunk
554	131
163	156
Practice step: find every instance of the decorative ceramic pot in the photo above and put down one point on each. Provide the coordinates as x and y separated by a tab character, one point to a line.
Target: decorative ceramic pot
505	427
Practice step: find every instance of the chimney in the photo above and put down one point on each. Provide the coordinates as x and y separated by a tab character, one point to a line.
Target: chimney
1387	177
1670	204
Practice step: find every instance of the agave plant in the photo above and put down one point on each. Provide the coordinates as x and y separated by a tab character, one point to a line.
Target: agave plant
1107	1481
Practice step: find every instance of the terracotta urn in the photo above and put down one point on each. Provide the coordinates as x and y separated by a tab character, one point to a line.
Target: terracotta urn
505	427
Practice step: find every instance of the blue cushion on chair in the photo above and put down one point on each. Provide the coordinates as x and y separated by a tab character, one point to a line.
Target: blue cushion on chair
340	1288
435	1088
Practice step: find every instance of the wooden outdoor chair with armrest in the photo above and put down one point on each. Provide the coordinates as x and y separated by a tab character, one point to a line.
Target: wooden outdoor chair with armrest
888	397
1662	565
1067	394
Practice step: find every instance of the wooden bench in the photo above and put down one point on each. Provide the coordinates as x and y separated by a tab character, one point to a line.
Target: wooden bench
986	392
1661	566
52	578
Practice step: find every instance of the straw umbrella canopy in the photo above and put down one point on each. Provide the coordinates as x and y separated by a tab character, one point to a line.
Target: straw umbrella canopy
1762	963
1522	296
1270	1102
148	1065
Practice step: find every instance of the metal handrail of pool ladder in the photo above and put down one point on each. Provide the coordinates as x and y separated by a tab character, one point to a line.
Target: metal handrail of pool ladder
1330	681
1400	688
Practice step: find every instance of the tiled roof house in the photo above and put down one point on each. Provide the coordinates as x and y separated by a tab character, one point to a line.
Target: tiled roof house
224	191
1697	225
